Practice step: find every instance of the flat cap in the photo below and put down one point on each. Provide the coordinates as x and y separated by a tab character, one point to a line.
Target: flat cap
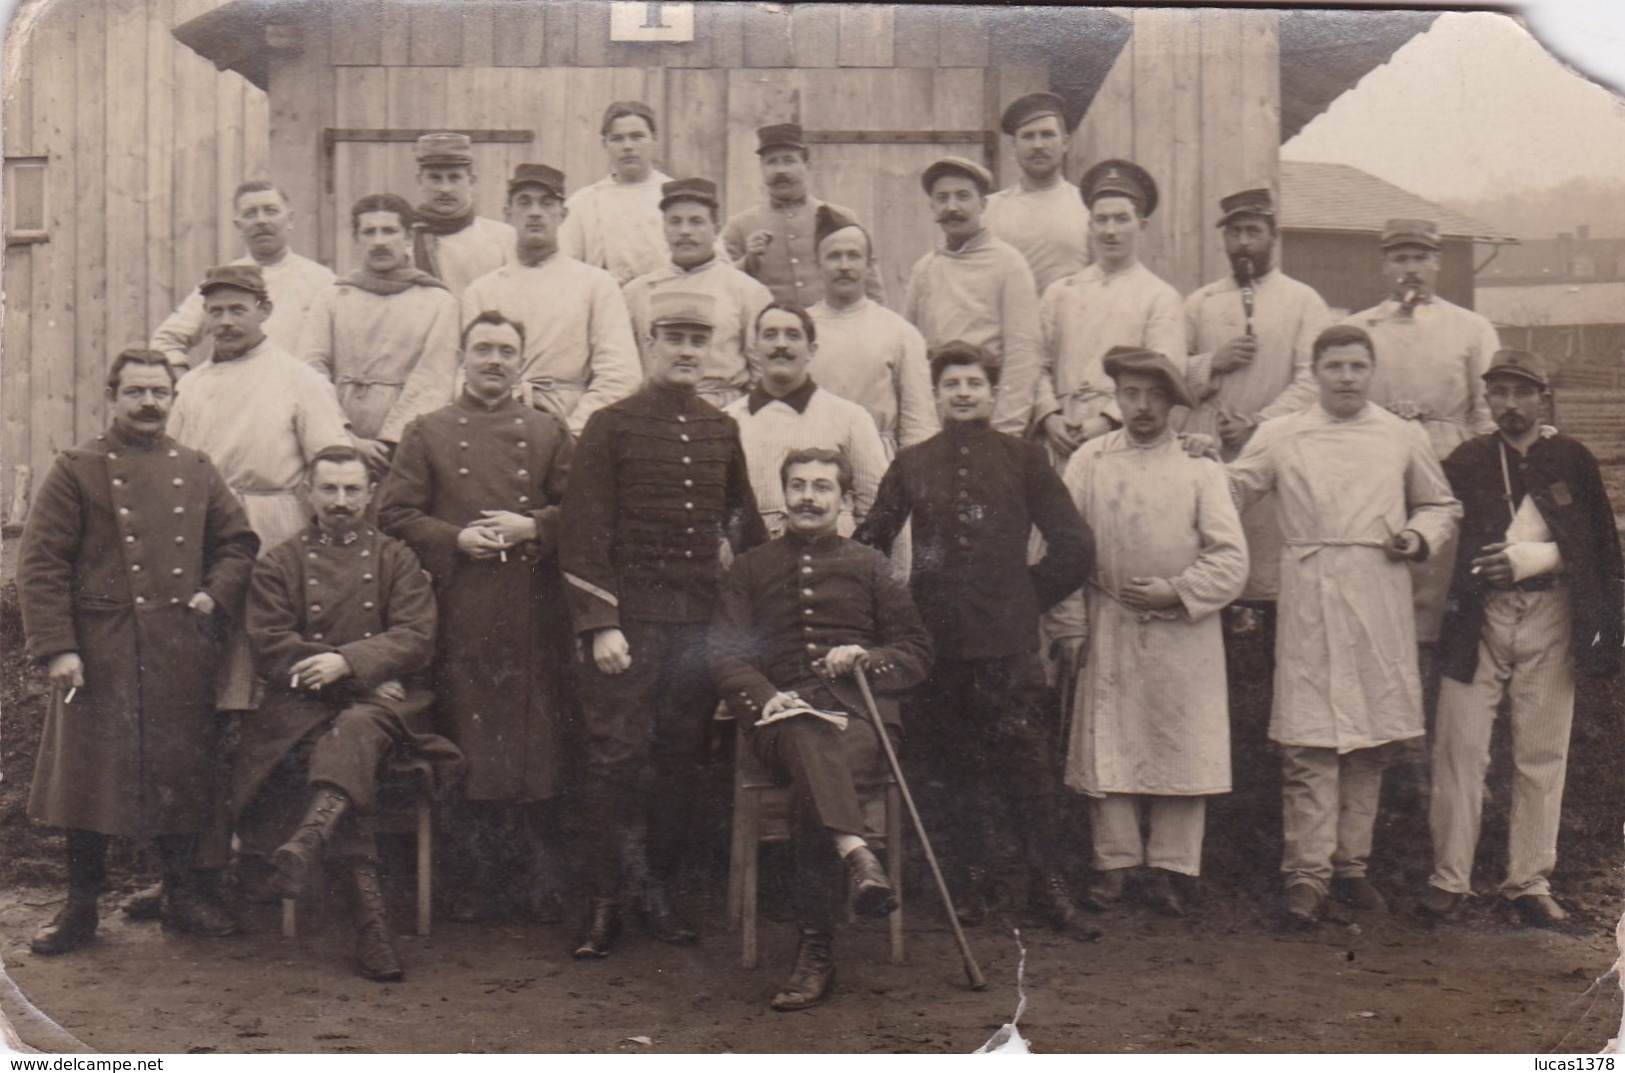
682	307
446	148
1024	110
1119	178
1410	233
828	220
1523	364
957	165
543	175
1133	359
1258	201
244	277
701	190
780	136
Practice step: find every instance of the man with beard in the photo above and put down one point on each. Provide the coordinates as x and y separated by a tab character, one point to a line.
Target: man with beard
689	213
776	242
1434	355
795	619
786	411
1361	496
660	484
579	351
385	333
475	492
975	495
1040	215
1535	600
615	223
976	288
449	242
134	556
1116	301
262	216
342	621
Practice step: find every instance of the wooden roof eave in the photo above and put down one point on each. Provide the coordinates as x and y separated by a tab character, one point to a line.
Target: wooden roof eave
241	35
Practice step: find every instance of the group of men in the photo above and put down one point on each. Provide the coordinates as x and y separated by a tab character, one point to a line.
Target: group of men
500	472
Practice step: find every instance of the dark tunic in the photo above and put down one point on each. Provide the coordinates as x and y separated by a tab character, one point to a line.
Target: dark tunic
503	630
975	495
367	600
122	534
1563	478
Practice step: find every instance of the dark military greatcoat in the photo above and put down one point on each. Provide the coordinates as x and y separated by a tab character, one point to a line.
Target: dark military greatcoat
503	625
121	535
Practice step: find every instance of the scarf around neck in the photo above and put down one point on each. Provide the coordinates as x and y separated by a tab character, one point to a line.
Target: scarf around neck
430	223
396	282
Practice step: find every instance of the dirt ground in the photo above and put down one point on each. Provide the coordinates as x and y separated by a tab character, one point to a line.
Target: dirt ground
1230	977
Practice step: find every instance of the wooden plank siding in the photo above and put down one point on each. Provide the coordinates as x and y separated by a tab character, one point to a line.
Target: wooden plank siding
131	125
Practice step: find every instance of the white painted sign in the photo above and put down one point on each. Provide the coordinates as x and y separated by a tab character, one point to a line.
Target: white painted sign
636	21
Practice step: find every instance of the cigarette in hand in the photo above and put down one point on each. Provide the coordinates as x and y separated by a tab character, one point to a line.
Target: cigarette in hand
502	542
69	698
1476	569
293	681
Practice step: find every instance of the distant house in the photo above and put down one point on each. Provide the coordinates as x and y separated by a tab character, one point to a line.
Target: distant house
1332	216
1571	257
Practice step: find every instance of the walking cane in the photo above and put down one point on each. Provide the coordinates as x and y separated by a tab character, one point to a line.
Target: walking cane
973	972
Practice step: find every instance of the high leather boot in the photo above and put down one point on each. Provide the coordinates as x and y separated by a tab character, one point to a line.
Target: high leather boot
602	929
376	957
872	894
813	978
297	858
72	927
650	897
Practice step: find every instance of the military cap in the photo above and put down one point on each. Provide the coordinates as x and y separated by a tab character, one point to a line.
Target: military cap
828	220
1255	202
682	307
780	136
1119	178
1024	110
701	190
544	175
1133	359
1401	232
957	165
243	277
446	148
1522	364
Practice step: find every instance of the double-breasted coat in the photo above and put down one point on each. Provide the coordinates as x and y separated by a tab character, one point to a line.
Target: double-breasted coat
504	630
122	534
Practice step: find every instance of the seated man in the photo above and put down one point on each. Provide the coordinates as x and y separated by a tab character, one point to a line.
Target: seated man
796	617
340	618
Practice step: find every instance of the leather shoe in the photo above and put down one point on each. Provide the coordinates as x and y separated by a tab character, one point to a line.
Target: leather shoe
188	910
1539	910
1436	902
661	919
1303	904
872	894
375	954
603	928
145	904
72	927
1161	894
813	978
1105	890
1359	892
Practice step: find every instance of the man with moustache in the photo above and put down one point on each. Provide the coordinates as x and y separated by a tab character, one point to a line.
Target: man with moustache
616	223
475	492
689	213
975	495
261	214
1040	214
777	242
1171	554
976	288
1116	301
786	411
1535	600
796	618
134	557
579	351
1361	495
342	620
449	241
660	483
384	333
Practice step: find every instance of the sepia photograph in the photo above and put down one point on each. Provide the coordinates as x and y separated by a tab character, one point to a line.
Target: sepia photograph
609	527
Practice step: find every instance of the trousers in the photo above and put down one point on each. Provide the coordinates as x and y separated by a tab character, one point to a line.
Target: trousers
1328	811
1174	841
1523	655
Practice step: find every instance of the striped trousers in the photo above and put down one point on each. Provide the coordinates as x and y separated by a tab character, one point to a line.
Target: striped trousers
1174	842
1523	653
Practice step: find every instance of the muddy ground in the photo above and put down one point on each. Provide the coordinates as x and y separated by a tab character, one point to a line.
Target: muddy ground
1230	977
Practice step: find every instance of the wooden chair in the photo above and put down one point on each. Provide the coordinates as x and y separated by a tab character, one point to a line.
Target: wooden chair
405	806
761	814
